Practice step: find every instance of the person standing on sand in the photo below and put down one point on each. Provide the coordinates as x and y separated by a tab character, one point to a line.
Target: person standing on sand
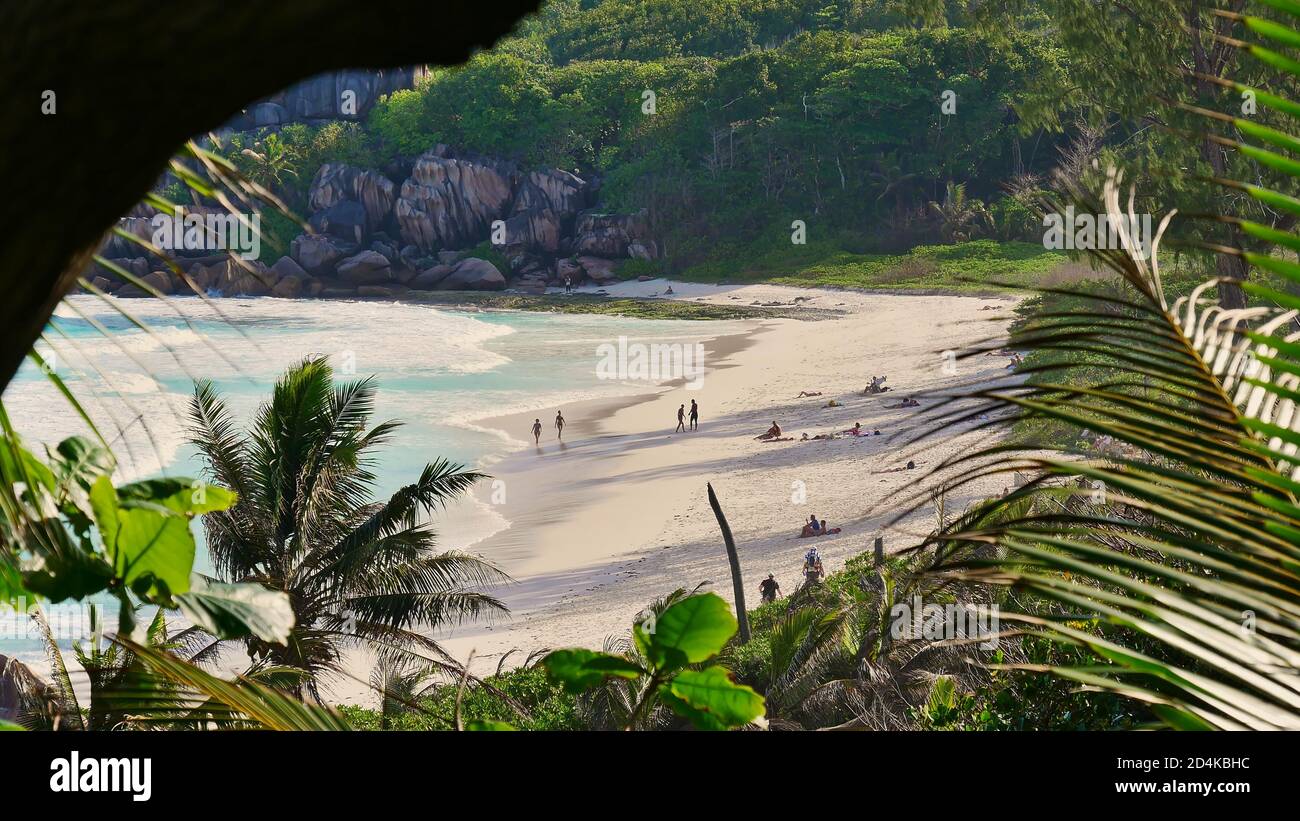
695	416
681	418
568	284
559	425
769	589
537	431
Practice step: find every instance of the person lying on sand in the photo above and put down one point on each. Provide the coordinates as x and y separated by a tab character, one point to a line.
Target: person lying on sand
856	430
827	531
909	466
802	394
831	404
773	432
908	402
807	438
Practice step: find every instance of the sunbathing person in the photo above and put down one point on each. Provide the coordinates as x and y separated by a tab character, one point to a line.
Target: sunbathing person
802	394
877	385
826	531
908	402
856	430
909	466
772	433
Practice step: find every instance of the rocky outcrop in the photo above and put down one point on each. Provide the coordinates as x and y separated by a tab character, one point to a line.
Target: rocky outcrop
450	203
365	268
613	235
337	183
318	254
473	274
429	278
338	95
598	269
369	232
536	231
344	220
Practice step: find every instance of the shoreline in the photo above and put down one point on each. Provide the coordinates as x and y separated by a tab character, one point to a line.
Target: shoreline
618	517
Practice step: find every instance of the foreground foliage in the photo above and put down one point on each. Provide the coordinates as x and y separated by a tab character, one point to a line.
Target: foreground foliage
357	571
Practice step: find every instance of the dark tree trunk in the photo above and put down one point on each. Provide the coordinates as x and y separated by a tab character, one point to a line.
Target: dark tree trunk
737	583
1215	59
133	80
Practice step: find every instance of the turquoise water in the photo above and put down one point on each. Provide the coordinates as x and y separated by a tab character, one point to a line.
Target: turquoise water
441	372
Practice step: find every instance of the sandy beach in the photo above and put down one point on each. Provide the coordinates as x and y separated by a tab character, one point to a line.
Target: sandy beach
617	514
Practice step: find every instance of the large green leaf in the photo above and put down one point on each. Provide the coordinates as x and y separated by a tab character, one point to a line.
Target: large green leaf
691	631
149	545
579	669
711	693
180	495
235	611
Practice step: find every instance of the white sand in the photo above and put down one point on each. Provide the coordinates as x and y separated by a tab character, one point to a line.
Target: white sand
619	516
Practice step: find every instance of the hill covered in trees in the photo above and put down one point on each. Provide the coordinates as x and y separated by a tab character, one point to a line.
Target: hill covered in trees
725	122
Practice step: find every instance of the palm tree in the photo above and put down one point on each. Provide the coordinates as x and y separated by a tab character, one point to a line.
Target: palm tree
960	218
1187	550
1180	539
357	571
273	160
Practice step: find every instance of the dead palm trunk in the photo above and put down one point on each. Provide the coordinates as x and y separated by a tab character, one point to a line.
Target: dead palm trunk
737	583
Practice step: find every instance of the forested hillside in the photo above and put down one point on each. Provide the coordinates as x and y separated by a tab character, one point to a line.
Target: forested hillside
726	120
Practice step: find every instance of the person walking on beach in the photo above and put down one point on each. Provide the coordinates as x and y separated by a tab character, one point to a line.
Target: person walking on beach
681	418
537	431
559	425
695	416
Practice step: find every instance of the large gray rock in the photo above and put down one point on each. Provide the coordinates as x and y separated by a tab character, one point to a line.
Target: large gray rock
533	231
347	94
599	270
288	287
450	203
346	220
332	184
160	281
390	291
429	278
318	254
551	189
611	235
337	183
473	274
365	268
115	246
286	267
568	269
266	115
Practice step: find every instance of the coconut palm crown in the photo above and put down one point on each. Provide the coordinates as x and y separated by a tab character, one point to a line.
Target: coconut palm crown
358	572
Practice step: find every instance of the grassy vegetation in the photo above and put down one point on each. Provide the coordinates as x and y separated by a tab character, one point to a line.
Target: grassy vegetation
626	307
970	267
548	706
